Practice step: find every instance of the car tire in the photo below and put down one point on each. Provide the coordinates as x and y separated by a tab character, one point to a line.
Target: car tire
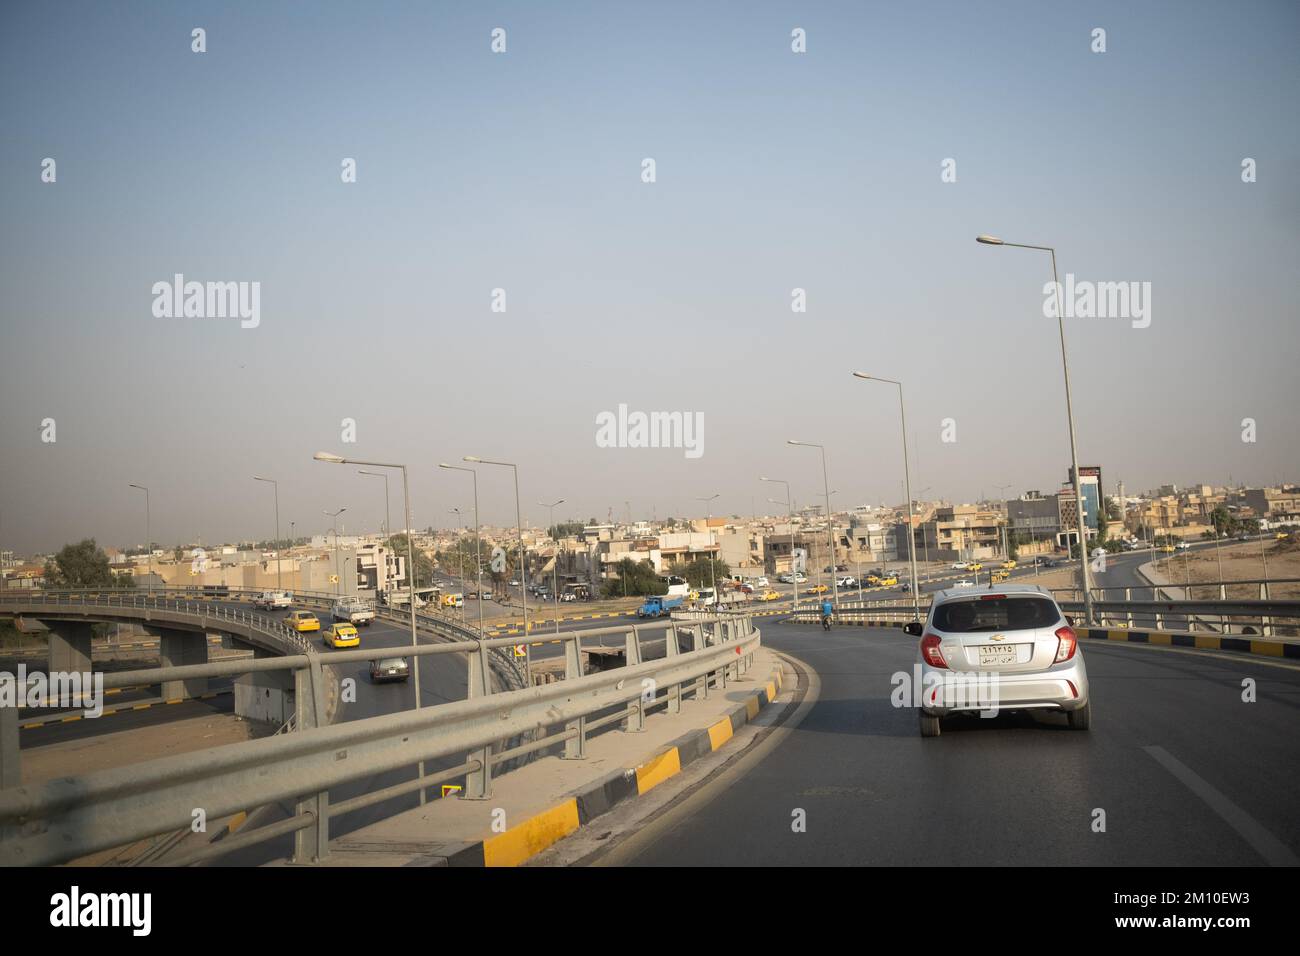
1081	719
929	725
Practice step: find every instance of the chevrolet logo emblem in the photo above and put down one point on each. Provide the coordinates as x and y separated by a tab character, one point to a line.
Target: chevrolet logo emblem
998	637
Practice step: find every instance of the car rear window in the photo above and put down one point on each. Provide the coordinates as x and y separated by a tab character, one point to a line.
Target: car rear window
996	614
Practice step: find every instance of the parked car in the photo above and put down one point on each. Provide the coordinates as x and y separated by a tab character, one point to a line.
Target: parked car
389	669
1018	638
273	600
340	634
303	621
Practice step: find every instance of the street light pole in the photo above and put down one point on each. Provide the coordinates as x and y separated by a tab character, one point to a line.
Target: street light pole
907	475
410	562
388	521
523	563
830	521
1069	413
460	559
148	534
555	565
338	572
279	576
713	558
478	560
789	510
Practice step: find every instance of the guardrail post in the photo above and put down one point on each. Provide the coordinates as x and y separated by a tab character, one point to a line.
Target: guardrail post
9	752
698	643
635	722
478	783
311	845
575	748
672	650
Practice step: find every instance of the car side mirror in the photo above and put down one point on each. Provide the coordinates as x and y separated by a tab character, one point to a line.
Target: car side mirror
913	628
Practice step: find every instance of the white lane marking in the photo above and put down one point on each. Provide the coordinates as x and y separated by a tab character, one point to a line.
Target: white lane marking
1273	850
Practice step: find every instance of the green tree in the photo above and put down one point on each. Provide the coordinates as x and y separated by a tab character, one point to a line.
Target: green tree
702	572
564	529
423	563
83	565
634	579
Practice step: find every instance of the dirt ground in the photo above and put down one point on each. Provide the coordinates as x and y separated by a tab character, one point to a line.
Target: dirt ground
106	750
1241	561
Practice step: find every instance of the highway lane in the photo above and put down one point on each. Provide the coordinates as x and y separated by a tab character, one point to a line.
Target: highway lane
1015	789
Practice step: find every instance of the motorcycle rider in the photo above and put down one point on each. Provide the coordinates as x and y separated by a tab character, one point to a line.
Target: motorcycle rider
827	608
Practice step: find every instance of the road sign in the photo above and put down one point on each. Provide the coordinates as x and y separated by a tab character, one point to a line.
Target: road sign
334	579
521	650
450	788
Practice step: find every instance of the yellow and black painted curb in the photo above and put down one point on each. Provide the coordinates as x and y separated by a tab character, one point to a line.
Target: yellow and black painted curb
1210	642
68	718
537	833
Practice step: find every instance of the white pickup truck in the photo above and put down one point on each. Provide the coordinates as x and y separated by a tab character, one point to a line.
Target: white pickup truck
273	600
353	611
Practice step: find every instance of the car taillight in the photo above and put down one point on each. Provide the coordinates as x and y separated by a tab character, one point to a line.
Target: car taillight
1067	643
930	652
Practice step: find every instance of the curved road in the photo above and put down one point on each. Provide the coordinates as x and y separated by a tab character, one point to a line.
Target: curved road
1186	772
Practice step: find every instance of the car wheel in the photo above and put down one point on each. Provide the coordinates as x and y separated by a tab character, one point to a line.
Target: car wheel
929	725
1081	719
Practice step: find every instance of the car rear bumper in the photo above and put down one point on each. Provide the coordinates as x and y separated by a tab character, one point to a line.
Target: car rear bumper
1063	687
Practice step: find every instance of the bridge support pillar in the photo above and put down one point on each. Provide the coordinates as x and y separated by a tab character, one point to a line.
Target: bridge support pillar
265	695
177	648
69	646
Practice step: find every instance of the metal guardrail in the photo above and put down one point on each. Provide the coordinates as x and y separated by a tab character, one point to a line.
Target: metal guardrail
1243	617
64	819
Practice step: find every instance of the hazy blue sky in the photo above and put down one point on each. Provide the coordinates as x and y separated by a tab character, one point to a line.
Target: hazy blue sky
775	170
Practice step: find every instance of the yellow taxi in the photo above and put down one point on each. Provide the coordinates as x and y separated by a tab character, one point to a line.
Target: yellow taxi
342	635
303	621
888	581
817	589
998	576
873	578
1009	564
975	566
1166	548
1281	535
769	595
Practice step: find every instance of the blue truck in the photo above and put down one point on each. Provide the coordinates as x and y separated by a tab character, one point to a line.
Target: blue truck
658	606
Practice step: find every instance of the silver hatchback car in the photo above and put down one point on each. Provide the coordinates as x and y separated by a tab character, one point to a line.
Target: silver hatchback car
1000	648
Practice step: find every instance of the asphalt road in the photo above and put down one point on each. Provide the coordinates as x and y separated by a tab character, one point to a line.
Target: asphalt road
1185	771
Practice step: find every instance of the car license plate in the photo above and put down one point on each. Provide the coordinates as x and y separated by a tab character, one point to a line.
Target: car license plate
992	655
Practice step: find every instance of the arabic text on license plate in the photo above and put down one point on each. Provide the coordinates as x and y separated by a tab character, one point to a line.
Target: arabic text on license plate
992	655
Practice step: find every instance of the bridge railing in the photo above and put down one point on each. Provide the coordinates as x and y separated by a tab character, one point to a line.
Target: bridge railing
203	613
61	820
